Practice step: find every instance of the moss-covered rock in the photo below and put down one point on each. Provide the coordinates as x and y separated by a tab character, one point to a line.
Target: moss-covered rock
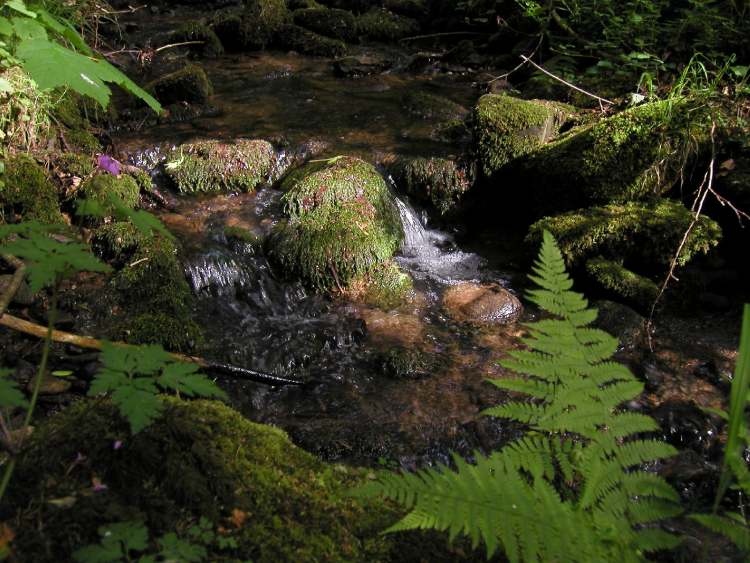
342	222
408	363
231	31
214	166
506	128
648	231
102	187
118	241
244	240
613	276
28	192
75	164
338	24
189	84
440	182
306	42
636	154
199	459
433	106
381	25
263	20
385	287
67	110
210	45
83	141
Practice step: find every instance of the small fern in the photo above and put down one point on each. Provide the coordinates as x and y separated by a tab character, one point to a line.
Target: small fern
573	489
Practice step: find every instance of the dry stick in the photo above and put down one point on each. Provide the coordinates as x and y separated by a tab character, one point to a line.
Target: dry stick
568	84
697	207
518	67
444	34
59	336
15	282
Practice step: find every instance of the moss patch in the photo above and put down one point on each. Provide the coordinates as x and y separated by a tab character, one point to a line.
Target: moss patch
189	84
75	164
28	192
612	275
381	25
342	222
385	287
506	128
337	24
432	106
438	181
210	45
117	242
306	42
200	459
213	166
263	20
231	31
83	141
102	187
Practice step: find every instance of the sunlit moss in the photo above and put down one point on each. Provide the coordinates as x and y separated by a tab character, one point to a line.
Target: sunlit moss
438	181
27	190
102	187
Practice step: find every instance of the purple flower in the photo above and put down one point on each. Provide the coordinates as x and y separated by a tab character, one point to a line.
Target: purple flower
117	445
109	164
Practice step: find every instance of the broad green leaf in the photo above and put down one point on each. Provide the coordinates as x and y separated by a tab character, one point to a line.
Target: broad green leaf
6	28
138	402
64	29
175	549
184	378
10	395
20	7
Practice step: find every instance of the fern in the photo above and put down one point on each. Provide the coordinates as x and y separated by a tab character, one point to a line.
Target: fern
573	488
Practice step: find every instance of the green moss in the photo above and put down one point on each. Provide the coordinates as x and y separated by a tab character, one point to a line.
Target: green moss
636	154
506	128
200	459
195	31
438	181
431	106
82	141
263	21
213	166
342	222
143	179
28	192
75	164
231	31
306	42
632	287
189	84
171	331
385	287
67	110
407	363
338	24
117	241
102	187
651	232
245	237
381	25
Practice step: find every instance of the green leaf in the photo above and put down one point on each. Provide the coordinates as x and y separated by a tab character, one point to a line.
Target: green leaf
20	7
118	539
184	378
10	395
175	549
62	373
6	28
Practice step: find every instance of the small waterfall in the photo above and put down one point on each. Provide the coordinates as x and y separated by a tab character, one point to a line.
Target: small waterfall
217	271
416	240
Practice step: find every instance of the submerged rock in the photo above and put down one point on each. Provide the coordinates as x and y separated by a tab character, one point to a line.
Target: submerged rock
433	106
211	166
487	304
440	182
362	65
189	84
342	222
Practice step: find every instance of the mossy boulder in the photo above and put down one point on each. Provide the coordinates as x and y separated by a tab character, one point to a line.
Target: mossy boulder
189	84
117	242
408	363
306	42
209	46
263	21
75	164
28	192
103	187
337	24
440	182
199	459
83	141
212	166
231	31
342	222
385	286
636	154
506	128
613	276
433	106
379	24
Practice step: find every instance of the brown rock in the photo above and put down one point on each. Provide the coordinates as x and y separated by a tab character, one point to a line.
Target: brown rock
51	385
488	304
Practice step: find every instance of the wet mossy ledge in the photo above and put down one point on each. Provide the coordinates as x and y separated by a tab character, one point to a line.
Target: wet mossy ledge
201	459
188	84
439	182
341	222
213	166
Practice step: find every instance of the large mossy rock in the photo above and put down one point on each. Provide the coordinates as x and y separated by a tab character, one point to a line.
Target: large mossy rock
27	191
189	84
211	166
106	190
200	459
306	42
342	222
506	128
637	154
337	24
439	182
381	25
207	44
262	20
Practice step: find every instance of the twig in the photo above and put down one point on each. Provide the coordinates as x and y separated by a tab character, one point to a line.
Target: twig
15	282
520	65
568	84
165	47
90	343
444	34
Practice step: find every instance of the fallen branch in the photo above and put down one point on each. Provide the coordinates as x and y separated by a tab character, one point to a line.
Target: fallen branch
90	343
568	84
444	34
15	282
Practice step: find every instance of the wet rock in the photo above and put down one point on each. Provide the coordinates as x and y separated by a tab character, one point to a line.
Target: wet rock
433	106
440	182
342	221
208	43
214	166
685	425
333	23
384	286
487	304
231	31
189	84
381	25
262	21
620	321
306	42
506	128
362	65
23	296
51	385
407	363
464	53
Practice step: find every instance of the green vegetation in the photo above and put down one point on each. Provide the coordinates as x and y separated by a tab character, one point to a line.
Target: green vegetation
613	276
438	181
337	24
211	166
572	488
28	192
189	84
263	20
381	25
342	222
102	188
210	45
384	286
306	42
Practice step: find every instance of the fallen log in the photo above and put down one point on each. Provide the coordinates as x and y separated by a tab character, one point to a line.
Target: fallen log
226	370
